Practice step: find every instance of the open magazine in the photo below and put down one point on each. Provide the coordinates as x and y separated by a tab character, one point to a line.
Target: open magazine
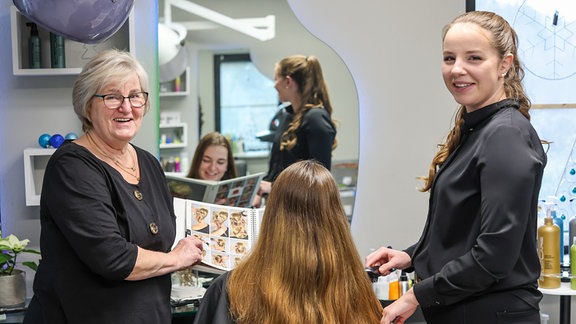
228	232
232	192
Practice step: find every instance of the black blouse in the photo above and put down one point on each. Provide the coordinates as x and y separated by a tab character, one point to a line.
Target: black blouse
480	234
315	135
92	222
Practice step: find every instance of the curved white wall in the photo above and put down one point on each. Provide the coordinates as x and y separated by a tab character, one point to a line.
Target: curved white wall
393	50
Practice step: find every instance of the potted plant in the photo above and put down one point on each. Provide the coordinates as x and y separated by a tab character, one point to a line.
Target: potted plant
13	280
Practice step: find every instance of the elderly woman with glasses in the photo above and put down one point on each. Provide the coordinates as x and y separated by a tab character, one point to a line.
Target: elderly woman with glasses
107	218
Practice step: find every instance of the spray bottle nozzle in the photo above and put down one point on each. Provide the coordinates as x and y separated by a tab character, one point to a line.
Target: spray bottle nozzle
33	28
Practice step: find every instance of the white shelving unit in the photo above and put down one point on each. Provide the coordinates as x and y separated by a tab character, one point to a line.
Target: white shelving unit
77	54
176	135
35	160
170	87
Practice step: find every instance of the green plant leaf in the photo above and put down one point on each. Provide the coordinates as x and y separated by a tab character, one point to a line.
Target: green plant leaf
4	258
31	265
31	251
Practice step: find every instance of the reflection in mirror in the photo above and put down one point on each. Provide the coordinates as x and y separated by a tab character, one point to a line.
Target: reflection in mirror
205	39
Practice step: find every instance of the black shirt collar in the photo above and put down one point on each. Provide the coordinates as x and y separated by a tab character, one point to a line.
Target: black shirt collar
472	119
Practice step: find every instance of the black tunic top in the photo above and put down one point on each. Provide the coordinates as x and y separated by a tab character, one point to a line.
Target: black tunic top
480	234
316	136
92	222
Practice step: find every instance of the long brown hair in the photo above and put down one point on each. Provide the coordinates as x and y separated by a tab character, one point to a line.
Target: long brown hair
504	40
305	267
208	140
307	73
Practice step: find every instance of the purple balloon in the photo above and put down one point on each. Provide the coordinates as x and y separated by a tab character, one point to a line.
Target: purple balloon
84	21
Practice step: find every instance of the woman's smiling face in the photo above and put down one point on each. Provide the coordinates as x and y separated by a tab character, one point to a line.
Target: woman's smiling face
472	69
214	163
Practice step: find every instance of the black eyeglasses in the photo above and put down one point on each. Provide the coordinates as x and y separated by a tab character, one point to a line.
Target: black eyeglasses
114	100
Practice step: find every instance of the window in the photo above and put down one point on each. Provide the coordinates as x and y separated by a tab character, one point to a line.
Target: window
245	101
546	51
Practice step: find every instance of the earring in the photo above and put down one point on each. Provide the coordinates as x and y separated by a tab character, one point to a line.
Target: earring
504	74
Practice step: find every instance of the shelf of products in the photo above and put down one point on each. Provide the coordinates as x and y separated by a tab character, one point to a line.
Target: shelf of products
174	147
76	54
178	87
35	161
173	135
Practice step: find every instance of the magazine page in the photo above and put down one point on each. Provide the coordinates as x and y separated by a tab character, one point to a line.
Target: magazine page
227	233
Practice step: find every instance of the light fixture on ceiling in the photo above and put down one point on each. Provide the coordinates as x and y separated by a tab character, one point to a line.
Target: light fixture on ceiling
262	29
172	54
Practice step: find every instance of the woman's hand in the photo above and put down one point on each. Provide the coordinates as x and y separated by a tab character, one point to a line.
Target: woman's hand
400	310
265	187
189	251
387	259
263	190
150	264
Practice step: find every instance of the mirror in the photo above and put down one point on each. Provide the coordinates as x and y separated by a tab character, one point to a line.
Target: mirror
205	38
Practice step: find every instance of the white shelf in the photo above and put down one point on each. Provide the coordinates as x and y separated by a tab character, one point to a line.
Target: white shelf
35	160
173	145
184	86
77	54
176	135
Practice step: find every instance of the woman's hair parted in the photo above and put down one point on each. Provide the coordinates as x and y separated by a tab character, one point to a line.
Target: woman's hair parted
307	73
106	67
306	262
504	40
208	140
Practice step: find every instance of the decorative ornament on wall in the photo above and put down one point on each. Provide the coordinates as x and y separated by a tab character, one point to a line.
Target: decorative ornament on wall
83	21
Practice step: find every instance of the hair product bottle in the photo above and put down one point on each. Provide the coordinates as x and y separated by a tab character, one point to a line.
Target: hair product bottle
573	263
382	288
394	286
548	250
34	49
57	52
404	286
571	232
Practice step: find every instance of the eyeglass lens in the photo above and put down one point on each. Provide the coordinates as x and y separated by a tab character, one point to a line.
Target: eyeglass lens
114	101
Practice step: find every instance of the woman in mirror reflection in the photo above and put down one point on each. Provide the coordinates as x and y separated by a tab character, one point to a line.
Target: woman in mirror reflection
107	217
308	132
304	267
476	260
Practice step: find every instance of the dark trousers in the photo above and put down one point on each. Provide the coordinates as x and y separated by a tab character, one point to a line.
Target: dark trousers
497	308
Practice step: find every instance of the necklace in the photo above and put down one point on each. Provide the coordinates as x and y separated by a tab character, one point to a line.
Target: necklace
130	170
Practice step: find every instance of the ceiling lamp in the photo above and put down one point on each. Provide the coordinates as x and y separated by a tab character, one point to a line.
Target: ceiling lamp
172	54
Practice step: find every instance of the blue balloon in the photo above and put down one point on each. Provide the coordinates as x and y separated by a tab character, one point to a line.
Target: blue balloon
88	22
71	136
44	140
56	140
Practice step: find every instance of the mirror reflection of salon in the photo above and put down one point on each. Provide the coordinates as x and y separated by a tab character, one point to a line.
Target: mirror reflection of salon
207	40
